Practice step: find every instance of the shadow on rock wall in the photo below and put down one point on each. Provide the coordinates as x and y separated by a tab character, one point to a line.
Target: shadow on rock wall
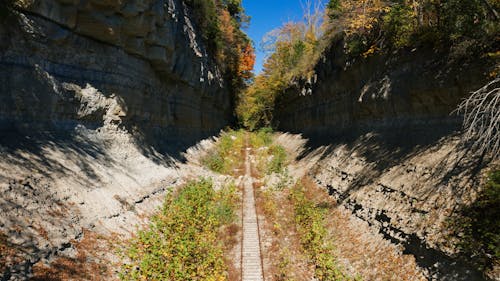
56	79
397	180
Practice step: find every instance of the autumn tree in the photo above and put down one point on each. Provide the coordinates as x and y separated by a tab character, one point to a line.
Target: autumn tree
221	23
290	49
247	62
371	25
367	27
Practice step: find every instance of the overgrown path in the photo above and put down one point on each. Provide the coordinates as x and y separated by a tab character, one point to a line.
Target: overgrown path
251	259
289	228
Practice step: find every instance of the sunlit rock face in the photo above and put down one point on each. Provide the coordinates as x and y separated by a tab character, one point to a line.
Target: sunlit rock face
140	65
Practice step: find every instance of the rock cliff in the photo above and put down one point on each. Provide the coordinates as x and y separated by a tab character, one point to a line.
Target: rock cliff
95	98
382	140
139	64
418	87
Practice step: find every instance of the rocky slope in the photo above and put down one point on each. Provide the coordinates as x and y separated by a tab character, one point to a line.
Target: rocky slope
97	99
380	137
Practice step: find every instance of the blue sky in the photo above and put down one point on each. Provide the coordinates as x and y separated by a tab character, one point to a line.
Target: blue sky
267	15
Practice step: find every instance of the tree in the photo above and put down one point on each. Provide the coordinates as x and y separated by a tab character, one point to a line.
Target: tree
291	50
247	62
313	17
481	124
220	23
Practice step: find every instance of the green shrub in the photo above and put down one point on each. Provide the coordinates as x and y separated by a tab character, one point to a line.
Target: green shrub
399	24
215	162
355	45
284	181
278	159
271	157
479	223
263	137
465	19
182	241
227	153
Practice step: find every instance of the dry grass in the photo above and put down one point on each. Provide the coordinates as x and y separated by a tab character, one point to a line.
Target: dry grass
283	255
361	251
90	262
231	235
357	250
9	254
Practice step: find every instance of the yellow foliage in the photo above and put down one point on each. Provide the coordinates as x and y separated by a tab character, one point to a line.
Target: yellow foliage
362	15
372	50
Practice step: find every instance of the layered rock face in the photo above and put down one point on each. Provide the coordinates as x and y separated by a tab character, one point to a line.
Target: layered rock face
384	143
140	64
419	87
95	97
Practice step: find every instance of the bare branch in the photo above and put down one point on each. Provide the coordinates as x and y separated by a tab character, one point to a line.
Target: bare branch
481	124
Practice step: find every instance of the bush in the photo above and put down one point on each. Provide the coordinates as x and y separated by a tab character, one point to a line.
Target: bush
399	24
215	162
278	160
182	241
227	153
464	19
480	223
355	45
271	157
263	137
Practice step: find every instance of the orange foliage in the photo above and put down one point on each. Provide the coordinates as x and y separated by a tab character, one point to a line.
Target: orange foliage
226	26
235	54
247	61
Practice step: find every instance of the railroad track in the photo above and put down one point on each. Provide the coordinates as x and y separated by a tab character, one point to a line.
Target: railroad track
251	257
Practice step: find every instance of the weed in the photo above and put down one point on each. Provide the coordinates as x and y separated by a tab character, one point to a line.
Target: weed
182	241
278	159
311	226
227	154
271	157
478	224
284	266
284	181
